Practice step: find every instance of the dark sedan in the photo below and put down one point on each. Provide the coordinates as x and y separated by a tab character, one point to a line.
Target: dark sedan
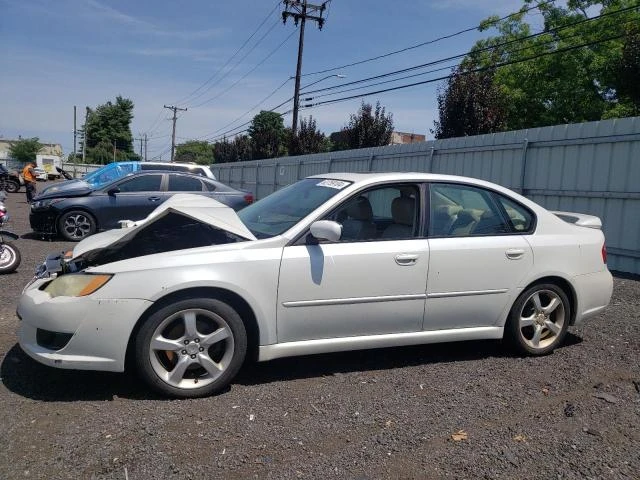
77	210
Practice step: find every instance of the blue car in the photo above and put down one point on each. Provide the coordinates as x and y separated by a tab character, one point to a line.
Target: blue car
79	209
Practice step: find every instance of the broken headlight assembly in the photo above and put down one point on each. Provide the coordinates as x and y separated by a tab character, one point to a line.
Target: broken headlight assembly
76	284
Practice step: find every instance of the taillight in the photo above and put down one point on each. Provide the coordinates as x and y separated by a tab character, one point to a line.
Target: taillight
604	253
248	198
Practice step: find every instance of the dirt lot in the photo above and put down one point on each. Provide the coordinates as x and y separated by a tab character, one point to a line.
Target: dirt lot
389	413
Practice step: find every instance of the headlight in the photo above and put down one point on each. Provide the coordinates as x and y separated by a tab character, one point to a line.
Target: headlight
76	285
41	204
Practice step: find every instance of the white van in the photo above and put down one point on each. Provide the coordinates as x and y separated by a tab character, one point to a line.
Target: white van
49	163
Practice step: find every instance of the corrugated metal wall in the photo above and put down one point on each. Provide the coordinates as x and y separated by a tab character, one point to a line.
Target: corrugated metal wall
589	167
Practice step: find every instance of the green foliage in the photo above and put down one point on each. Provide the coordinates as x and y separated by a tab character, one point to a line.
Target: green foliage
200	152
469	104
267	135
25	150
308	139
368	128
237	150
584	84
107	125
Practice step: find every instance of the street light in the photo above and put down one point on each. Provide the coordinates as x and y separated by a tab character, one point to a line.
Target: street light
337	75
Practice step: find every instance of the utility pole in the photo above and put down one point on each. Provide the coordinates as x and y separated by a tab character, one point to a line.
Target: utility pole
173	134
141	146
114	150
75	132
86	134
300	11
145	147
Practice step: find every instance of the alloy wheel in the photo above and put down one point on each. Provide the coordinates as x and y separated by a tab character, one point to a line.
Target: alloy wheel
541	319
191	348
77	226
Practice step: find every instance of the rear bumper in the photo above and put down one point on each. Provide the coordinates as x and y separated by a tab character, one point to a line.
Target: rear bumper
594	292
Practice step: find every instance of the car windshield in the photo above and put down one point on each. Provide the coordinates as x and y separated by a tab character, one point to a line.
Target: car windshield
281	210
109	173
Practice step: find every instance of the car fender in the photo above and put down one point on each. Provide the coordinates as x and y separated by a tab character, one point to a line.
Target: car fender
12	236
265	320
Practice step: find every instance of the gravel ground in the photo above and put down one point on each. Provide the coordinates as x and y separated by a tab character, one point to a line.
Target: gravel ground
463	410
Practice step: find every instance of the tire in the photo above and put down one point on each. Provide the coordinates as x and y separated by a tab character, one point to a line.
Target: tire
76	225
538	320
9	257
191	348
11	186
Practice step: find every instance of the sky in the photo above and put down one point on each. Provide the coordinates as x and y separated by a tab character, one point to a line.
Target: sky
57	54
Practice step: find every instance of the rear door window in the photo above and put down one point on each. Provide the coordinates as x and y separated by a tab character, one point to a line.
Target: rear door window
183	183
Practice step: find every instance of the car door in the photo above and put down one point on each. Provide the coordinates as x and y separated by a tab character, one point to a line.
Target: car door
370	282
133	199
478	256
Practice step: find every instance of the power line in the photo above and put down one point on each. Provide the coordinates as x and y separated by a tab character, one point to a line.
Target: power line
250	110
429	42
188	97
484	49
246	74
480	69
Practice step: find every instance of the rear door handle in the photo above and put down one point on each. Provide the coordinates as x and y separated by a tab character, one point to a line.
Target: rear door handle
154	199
514	253
406	259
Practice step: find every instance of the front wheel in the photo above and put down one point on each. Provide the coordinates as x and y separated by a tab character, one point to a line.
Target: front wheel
9	257
191	348
538	320
76	225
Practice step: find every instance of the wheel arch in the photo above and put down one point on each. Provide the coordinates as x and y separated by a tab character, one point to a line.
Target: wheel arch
233	299
566	287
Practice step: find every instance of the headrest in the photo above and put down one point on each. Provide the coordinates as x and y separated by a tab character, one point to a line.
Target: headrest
449	210
402	210
360	209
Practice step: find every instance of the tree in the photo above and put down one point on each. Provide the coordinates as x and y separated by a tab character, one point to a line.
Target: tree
308	139
267	135
559	86
25	150
469	104
200	152
110	124
237	150
369	128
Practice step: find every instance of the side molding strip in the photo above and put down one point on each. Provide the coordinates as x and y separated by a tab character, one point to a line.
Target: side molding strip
353	300
468	293
325	345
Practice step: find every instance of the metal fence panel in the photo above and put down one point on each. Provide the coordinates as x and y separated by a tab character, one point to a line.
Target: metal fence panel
591	167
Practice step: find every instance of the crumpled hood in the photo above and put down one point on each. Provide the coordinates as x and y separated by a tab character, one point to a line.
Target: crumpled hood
197	207
70	188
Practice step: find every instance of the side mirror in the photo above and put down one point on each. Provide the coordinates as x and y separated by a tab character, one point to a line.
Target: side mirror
326	230
112	191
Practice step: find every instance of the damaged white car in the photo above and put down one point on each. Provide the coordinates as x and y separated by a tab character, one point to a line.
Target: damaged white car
333	262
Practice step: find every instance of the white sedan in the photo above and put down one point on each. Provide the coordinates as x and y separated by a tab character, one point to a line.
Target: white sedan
333	262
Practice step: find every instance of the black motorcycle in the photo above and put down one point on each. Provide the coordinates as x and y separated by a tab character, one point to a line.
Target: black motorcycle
9	254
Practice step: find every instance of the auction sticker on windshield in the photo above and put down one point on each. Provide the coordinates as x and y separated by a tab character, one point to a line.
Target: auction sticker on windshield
337	184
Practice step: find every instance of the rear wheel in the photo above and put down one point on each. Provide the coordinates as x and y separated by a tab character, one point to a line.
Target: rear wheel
539	320
11	186
76	225
192	348
9	257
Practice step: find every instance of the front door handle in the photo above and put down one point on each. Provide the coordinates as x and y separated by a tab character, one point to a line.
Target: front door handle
406	259
154	199
514	253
